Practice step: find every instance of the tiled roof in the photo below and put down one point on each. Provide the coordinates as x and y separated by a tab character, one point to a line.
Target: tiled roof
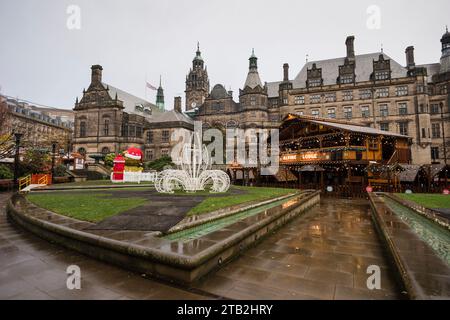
432	69
330	71
253	79
364	68
130	101
272	89
171	116
409	173
348	127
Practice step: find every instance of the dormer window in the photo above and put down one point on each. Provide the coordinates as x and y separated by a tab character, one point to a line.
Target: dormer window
315	82
347	72
314	77
382	75
347	79
381	69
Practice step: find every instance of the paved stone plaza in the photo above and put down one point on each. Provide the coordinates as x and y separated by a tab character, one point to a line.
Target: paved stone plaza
321	255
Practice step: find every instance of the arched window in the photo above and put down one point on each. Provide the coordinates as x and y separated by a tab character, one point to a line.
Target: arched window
105	151
82	151
82	129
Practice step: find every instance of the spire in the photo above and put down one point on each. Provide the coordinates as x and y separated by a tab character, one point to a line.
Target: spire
253	79
253	60
160	96
198	54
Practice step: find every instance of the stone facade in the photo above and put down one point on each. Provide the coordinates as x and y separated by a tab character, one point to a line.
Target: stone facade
197	82
375	90
219	110
109	120
38	127
166	131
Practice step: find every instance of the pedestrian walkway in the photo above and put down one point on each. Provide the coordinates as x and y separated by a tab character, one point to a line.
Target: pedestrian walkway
321	255
32	268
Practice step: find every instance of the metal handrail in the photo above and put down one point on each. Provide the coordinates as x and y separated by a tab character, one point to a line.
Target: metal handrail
43	180
24	182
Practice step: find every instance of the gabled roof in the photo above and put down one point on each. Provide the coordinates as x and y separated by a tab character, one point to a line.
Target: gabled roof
363	65
171	116
432	69
130	101
343	126
330	71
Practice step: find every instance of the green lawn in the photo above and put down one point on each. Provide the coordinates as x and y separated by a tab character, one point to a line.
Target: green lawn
95	206
252	194
88	207
428	200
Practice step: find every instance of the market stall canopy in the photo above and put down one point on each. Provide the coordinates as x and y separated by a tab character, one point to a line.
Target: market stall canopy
311	168
434	169
285	175
338	125
409	173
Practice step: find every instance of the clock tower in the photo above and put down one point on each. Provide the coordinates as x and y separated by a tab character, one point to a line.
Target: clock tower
197	82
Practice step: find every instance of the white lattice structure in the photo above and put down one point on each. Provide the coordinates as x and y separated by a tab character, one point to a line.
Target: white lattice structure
194	172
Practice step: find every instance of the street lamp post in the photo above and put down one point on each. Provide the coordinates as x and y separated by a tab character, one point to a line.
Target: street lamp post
68	155
18	136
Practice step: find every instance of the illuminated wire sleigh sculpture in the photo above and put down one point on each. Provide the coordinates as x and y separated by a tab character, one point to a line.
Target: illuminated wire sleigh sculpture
194	172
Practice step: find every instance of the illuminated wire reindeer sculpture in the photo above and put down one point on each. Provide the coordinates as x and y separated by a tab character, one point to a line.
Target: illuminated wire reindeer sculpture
194	172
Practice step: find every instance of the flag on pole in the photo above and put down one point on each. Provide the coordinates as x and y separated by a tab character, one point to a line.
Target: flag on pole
151	87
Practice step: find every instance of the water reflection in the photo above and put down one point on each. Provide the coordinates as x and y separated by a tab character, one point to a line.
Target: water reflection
436	237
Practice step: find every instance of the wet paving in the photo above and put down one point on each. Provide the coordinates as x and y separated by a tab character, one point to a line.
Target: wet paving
321	255
32	268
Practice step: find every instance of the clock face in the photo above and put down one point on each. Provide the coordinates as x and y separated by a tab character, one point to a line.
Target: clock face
193	104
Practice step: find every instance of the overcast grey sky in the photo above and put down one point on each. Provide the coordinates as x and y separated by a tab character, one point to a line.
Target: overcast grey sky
43	61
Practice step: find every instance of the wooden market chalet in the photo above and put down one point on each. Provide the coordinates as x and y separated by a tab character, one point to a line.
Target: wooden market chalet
326	152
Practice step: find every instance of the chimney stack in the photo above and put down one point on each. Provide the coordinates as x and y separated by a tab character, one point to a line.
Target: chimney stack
410	63
350	47
177	104
96	76
285	72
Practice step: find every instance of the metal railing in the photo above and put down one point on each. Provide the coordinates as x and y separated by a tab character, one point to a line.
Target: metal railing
24	182
43	180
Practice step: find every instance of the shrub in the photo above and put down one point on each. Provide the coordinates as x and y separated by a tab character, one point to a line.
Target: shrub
5	172
109	160
159	164
35	161
60	171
